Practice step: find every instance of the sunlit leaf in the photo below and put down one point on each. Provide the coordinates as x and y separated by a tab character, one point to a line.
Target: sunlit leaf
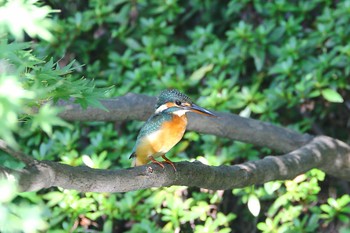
88	161
332	95
33	19
200	73
254	205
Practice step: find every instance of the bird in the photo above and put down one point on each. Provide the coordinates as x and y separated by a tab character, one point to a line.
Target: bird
165	128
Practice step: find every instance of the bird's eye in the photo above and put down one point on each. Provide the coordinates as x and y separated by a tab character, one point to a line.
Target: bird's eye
178	102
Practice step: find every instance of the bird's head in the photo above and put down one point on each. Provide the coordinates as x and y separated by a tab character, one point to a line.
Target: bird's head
177	103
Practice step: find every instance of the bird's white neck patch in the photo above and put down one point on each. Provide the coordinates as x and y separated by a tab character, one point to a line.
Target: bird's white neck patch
161	108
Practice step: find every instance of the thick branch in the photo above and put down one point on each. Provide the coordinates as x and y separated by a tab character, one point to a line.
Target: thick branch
303	153
330	155
140	107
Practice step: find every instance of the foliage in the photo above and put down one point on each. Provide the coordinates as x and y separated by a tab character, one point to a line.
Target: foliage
285	62
284	215
27	82
33	19
21	216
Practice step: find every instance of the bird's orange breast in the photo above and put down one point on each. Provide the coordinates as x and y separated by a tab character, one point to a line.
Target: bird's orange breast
170	133
162	140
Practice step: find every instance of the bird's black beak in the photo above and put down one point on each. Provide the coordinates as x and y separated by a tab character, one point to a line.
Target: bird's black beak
200	110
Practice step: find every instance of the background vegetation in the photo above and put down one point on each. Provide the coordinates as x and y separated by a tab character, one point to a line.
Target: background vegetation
286	62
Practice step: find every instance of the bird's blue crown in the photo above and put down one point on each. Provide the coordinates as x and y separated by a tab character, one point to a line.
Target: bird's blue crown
171	95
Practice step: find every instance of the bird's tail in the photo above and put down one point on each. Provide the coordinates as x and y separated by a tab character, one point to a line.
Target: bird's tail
133	156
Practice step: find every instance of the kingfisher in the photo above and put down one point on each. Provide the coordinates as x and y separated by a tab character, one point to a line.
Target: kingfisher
165	128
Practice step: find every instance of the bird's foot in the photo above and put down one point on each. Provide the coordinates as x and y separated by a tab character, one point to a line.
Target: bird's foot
169	162
156	162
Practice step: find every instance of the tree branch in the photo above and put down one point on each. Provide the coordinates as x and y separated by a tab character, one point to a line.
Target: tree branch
16	154
327	154
7	173
302	153
140	107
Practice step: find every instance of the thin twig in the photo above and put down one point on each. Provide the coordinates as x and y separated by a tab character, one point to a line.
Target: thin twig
7	173
16	154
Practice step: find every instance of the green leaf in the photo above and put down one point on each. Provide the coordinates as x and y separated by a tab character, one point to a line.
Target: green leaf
200	73
343	218
259	58
315	93
272	186
332	96
88	161
326	208
254	205
344	200
133	44
46	118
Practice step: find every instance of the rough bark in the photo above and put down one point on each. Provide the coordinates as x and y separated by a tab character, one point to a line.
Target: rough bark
302	153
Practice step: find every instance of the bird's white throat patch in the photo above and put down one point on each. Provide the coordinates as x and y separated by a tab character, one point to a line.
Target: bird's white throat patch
180	112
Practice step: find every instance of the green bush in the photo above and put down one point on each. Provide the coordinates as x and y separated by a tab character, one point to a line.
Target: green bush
280	61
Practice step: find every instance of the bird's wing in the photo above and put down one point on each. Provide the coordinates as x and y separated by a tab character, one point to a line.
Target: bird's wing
152	124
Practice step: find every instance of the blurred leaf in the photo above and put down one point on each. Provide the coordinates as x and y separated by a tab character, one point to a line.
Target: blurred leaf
88	161
200	73
34	19
46	118
8	189
272	186
254	205
332	96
